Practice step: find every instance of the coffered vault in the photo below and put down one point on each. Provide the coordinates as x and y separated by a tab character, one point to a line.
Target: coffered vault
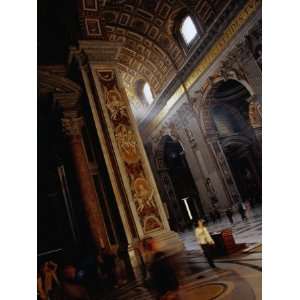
150	49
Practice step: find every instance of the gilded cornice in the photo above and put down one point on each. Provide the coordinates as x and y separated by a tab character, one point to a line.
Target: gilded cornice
223	41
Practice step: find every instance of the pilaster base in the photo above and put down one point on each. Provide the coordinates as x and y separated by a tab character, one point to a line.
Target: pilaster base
136	261
169	242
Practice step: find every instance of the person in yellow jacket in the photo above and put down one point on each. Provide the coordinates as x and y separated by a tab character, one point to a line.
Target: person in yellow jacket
205	241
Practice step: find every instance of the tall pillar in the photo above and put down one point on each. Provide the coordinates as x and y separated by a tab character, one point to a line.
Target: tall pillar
72	125
138	200
186	116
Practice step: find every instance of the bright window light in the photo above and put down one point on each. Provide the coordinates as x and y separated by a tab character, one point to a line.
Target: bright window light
147	93
188	30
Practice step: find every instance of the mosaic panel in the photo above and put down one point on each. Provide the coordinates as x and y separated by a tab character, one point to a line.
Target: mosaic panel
126	139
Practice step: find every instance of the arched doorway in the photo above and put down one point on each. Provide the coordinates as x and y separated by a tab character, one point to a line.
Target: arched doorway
183	202
230	109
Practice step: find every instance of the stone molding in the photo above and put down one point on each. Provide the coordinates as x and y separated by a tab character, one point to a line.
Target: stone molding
94	51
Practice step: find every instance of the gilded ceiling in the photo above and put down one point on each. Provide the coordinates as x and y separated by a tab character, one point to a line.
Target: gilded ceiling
150	51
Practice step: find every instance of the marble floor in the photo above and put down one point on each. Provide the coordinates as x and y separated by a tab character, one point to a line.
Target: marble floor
238	276
243	232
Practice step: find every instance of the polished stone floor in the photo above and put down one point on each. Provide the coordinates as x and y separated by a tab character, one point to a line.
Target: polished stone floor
238	276
244	232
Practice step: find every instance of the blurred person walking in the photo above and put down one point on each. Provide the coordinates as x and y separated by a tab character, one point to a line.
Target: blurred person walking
162	275
72	288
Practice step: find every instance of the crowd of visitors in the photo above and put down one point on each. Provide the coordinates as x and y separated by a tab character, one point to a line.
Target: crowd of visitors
160	276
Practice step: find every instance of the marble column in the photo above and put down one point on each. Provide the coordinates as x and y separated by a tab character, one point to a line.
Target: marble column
186	117
138	200
72	127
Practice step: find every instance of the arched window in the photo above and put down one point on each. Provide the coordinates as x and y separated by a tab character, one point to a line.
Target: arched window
144	93
188	30
147	93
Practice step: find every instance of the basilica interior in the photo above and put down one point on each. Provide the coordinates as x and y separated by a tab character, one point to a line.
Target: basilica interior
149	119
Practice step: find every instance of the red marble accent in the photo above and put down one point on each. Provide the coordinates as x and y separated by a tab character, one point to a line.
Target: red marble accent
229	242
88	193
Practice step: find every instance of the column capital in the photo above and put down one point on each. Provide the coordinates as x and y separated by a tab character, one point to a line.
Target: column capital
71	120
72	126
69	102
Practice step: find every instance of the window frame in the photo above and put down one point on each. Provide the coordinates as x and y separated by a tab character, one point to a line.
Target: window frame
197	35
146	83
140	84
179	20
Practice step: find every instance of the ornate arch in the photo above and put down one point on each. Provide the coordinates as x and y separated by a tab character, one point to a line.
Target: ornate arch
202	105
203	102
165	181
229	70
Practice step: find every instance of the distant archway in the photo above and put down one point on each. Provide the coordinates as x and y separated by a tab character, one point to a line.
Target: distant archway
227	116
183	202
